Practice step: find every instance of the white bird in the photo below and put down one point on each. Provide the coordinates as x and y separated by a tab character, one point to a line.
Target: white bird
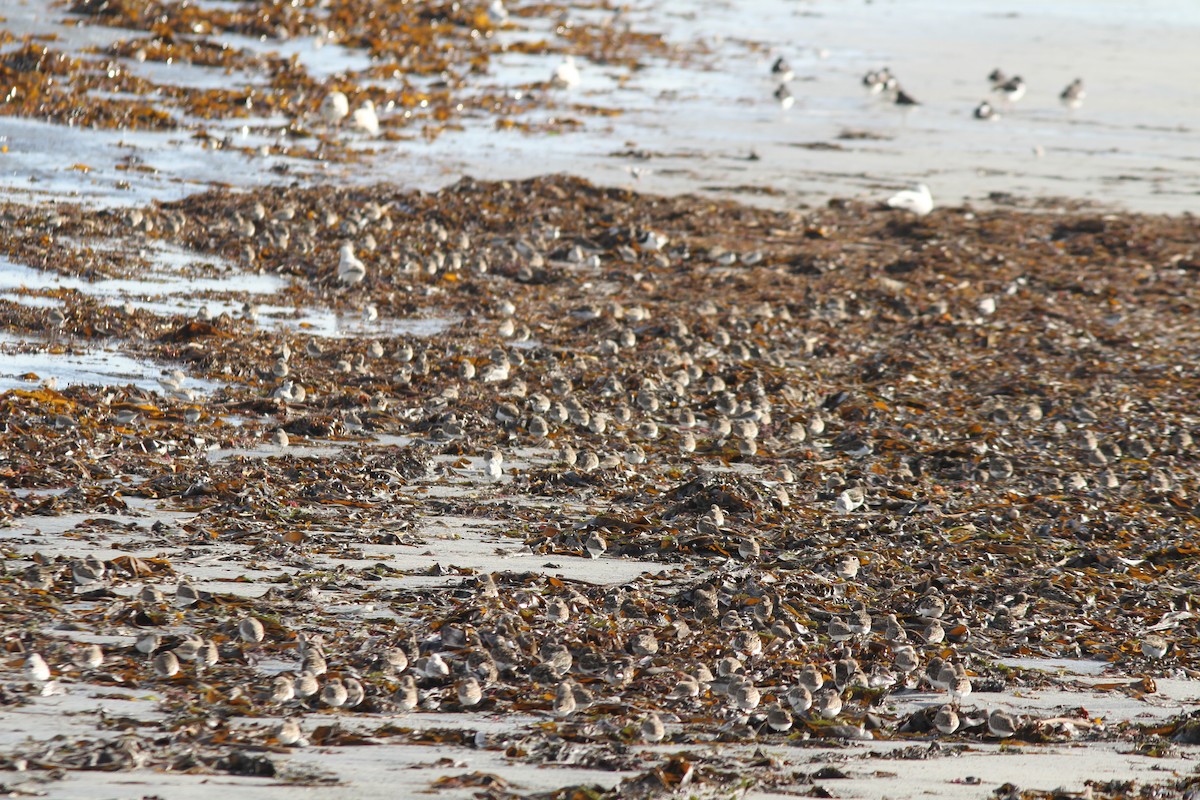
566	74
497	13
918	200
334	107
37	668
351	270
366	118
493	466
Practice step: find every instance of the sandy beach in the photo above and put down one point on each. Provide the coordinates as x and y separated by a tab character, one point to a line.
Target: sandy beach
485	400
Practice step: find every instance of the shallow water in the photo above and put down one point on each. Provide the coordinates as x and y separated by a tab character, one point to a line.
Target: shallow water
164	279
1132	144
25	365
167	291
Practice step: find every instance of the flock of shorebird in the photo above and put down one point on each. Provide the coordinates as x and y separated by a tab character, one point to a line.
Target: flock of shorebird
336	107
883	82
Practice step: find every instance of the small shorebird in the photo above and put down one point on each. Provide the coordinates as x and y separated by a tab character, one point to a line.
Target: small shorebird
334	107
853	498
749	549
799	698
859	621
847	567
1154	646
905	659
54	322
1011	90
1072	96
652	728
838	630
90	656
595	545
931	606
828	703
36	668
306	684
166	664
986	110
289	732
1001	724
190	648
557	610
334	694
961	686
746	696
433	667
497	14
366	119
811	678
470	693
877	81
687	688
779	718
564	700
283	689
933	632
355	692
784	95
251	631
88	571
406	697
946	720
186	595
710	523
351	269
782	71
935	675
566	75
493	465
